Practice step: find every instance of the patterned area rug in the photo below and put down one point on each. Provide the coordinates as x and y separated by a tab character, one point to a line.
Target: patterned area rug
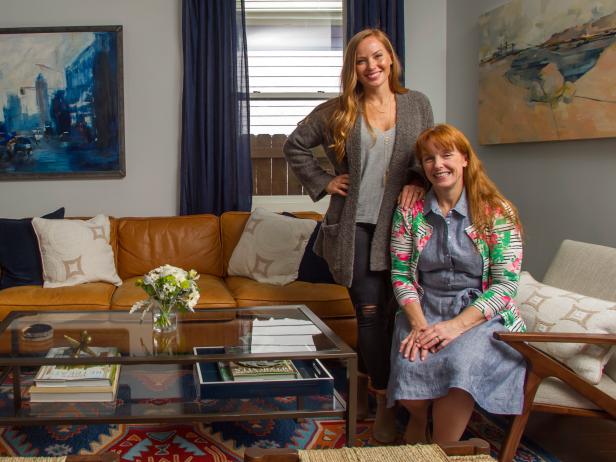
219	442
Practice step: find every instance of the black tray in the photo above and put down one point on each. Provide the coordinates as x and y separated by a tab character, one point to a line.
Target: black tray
315	380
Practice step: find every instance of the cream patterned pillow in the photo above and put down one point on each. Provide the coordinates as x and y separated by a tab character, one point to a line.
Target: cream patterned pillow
548	309
75	251
271	247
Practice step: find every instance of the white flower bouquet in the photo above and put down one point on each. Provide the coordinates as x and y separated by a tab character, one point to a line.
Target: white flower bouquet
169	290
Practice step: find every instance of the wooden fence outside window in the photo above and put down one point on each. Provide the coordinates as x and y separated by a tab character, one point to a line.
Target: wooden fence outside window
271	175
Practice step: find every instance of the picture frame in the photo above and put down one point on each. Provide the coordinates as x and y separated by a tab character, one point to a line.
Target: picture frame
61	103
546	71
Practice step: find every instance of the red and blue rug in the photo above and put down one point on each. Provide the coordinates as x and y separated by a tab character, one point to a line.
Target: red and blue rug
217	442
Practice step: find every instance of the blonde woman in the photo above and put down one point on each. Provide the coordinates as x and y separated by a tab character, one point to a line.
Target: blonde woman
368	134
456	258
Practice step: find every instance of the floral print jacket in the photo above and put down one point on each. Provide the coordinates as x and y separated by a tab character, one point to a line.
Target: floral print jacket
501	253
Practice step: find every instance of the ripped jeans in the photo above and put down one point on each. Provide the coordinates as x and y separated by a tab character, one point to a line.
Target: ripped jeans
372	296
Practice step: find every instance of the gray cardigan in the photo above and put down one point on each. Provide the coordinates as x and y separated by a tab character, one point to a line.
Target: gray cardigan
336	239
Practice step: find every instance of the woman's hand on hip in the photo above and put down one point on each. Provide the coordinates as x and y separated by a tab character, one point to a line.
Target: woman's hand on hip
338	185
410	194
439	335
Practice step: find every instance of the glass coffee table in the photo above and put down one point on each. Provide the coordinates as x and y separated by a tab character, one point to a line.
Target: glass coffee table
158	379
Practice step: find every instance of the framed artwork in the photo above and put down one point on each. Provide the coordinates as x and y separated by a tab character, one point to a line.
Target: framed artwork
547	71
62	103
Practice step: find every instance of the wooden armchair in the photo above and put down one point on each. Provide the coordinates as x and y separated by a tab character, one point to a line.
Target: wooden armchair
562	390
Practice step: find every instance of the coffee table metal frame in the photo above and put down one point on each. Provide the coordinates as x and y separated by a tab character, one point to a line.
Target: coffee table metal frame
344	409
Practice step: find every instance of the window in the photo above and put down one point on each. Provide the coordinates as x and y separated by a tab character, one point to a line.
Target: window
294	61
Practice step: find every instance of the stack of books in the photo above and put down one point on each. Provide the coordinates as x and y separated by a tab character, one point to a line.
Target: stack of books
78	383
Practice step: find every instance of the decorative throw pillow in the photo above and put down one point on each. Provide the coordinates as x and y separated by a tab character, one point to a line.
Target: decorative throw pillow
20	259
75	251
548	309
271	247
313	268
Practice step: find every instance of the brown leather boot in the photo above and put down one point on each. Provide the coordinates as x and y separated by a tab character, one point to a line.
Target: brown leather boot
384	429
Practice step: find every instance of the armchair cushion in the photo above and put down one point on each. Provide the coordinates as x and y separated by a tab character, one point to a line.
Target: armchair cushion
555	392
548	309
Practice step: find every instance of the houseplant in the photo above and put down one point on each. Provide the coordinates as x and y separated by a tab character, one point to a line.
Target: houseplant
170	289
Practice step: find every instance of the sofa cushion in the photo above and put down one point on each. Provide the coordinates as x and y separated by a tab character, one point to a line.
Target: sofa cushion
188	242
232	226
548	309
214	293
271	247
89	296
75	251
325	300
20	259
313	268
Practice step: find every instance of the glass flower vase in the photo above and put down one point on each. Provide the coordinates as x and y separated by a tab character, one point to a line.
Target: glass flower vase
164	318
165	343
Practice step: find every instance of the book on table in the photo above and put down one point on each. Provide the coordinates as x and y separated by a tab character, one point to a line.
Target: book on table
213	379
77	375
244	371
75	383
69	394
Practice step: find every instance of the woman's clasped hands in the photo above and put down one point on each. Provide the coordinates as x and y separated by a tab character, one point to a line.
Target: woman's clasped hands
424	339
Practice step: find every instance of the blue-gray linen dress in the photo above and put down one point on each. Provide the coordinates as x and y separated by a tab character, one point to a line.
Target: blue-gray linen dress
450	270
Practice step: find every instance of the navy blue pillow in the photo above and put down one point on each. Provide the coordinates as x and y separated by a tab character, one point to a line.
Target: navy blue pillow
312	267
20	258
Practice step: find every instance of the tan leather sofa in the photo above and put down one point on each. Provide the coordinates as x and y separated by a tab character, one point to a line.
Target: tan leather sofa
201	242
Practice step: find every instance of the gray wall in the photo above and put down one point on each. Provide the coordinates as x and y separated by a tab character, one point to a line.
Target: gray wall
152	96
564	189
426	51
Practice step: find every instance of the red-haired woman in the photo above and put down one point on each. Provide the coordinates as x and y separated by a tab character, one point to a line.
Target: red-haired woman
368	134
456	259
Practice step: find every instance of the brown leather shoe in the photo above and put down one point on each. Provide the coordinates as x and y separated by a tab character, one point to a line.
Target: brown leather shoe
384	429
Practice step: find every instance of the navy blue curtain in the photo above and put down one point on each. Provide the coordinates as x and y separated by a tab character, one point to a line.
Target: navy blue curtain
387	15
216	171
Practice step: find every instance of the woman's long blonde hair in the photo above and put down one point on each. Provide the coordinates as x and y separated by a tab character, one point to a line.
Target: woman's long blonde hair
484	198
344	117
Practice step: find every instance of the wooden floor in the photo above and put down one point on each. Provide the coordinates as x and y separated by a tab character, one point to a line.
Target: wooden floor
574	439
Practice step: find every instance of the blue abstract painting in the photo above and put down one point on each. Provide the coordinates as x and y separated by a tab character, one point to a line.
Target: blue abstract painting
61	100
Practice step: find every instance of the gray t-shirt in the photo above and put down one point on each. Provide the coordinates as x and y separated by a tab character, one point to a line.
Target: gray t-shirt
375	157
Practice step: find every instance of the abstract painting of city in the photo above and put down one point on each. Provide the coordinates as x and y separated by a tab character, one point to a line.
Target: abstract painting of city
547	71
61	100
